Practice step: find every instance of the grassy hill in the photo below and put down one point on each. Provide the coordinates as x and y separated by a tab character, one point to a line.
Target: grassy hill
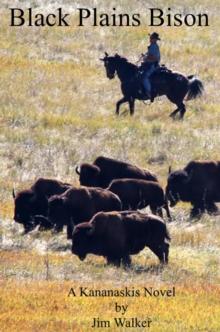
56	111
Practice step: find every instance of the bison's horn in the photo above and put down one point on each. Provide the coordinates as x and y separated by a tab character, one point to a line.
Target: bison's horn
169	170
106	54
77	170
13	193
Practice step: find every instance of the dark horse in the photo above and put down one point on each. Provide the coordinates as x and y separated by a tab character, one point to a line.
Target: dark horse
164	82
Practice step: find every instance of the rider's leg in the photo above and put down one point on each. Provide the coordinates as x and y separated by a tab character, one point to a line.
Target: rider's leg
147	86
147	82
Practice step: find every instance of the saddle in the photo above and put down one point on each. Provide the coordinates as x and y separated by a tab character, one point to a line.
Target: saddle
158	72
162	69
159	69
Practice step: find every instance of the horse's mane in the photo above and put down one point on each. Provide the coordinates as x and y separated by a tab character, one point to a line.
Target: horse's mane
124	61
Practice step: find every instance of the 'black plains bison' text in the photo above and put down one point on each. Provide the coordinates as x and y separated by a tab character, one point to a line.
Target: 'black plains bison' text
154	17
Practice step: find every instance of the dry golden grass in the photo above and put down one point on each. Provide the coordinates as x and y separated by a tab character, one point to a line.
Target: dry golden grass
45	306
57	110
35	298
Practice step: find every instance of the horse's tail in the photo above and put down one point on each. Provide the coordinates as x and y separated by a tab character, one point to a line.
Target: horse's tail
195	87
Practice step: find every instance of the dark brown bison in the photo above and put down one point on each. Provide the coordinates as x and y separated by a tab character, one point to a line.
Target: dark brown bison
104	170
138	194
33	202
198	183
80	204
117	235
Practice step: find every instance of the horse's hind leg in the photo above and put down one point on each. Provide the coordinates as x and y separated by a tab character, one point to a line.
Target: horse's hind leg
182	111
181	108
131	106
173	114
118	104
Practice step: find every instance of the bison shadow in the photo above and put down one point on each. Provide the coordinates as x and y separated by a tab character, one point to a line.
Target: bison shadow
152	269
155	269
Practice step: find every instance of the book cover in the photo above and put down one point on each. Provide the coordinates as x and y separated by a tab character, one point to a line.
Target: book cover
82	87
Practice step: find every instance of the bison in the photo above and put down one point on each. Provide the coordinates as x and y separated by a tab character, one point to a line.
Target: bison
117	235
197	183
104	170
138	194
33	202
80	204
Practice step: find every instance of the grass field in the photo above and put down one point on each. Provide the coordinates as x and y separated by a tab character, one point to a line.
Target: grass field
56	111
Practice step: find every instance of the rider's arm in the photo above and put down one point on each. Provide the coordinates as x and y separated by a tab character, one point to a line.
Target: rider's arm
153	53
150	57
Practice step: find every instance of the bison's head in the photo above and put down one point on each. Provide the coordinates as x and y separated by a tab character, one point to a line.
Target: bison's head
27	204
177	184
88	175
82	240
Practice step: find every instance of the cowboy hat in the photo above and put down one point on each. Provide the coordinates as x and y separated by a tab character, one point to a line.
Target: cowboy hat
154	35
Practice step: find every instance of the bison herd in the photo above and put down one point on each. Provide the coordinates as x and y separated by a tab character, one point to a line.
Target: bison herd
101	215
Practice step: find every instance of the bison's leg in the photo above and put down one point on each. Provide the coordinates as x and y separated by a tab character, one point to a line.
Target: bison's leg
156	210
121	101
211	208
197	210
126	261
158	250
166	208
195	213
160	212
126	207
114	261
58	228
29	226
153	209
166	252
44	223
69	231
45	227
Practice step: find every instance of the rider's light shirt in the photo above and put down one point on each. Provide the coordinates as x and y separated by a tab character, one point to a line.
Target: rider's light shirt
154	50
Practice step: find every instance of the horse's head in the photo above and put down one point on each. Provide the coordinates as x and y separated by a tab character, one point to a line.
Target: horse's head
110	63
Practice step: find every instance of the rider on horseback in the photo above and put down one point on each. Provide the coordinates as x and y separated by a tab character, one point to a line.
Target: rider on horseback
151	61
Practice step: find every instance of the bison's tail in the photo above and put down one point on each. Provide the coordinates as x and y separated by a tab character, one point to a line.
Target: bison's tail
195	88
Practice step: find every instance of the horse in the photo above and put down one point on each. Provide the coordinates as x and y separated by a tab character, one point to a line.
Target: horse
164	82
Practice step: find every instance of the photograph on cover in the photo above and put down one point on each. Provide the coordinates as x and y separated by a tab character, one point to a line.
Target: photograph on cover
110	166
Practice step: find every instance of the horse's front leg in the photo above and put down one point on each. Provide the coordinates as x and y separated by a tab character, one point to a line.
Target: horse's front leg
118	104
131	105
173	114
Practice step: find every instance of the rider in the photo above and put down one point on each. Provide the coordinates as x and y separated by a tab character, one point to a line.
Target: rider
150	61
